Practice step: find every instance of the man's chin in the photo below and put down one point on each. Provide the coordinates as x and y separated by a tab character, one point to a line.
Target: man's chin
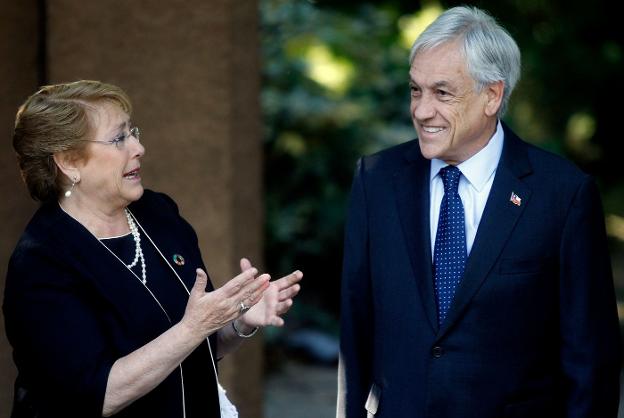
429	151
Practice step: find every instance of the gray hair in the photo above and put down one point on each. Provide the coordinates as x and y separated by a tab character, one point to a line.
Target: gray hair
491	53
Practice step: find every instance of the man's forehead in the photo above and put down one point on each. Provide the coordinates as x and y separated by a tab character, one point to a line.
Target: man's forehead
443	68
433	79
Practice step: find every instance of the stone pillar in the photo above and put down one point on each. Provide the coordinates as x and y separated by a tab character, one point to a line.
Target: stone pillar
19	72
191	69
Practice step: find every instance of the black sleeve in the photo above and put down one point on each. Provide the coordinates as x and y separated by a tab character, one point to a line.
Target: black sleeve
356	330
60	347
589	328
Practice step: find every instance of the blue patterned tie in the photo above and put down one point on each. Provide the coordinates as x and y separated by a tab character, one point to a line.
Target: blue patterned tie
449	254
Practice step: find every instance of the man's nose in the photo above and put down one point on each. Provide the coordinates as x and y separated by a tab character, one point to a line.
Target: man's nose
423	108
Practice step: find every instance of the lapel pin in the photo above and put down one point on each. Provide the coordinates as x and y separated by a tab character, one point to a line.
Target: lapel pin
515	199
178	259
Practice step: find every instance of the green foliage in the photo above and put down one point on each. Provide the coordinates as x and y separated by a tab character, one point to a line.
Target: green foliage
314	132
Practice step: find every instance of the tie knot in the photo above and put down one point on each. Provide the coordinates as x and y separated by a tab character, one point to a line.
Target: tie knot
450	177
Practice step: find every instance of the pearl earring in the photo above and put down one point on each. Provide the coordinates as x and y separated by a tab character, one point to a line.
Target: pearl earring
69	192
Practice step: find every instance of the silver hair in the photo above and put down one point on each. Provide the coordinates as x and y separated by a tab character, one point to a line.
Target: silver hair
491	53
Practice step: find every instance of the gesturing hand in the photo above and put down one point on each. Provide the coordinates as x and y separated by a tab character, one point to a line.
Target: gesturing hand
274	302
206	312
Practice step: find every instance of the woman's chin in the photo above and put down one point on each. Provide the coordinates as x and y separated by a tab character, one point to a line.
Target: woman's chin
135	193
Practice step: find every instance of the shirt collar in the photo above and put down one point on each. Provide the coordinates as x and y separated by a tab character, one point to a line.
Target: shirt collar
480	167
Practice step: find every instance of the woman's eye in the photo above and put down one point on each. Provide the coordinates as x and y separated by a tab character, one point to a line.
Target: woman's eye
119	139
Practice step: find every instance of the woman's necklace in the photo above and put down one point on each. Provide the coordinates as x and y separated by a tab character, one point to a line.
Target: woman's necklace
138	251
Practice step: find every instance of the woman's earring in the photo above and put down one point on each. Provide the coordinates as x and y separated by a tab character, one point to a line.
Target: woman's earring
69	192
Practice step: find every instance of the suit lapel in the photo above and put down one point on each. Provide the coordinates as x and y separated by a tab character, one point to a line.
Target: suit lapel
497	222
412	191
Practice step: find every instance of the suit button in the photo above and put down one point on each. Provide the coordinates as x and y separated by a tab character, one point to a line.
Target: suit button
437	351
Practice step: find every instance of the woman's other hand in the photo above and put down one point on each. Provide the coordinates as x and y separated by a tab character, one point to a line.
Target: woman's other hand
139	372
275	301
207	312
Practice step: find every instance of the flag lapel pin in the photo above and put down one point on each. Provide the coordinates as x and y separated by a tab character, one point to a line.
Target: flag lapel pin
515	199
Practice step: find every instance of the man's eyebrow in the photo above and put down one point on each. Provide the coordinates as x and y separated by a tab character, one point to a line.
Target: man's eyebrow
436	85
442	83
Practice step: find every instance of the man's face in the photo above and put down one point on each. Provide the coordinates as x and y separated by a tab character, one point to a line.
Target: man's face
452	120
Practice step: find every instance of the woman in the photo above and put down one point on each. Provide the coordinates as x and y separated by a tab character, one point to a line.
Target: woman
107	303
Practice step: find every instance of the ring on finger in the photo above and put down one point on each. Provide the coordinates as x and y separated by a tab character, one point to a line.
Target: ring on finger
243	308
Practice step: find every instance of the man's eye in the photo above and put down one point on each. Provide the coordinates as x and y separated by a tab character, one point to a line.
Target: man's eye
443	93
414	90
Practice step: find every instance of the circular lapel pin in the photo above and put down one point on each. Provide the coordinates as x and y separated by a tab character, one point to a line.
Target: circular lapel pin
178	259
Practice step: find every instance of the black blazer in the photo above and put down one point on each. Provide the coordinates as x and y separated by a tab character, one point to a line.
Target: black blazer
72	309
533	329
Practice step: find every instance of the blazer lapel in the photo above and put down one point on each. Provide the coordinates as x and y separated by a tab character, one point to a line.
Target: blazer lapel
165	239
109	274
412	191
499	218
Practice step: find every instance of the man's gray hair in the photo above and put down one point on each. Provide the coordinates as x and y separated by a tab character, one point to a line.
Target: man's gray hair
491	53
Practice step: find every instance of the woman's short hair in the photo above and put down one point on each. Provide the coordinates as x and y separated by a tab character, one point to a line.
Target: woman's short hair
491	53
57	118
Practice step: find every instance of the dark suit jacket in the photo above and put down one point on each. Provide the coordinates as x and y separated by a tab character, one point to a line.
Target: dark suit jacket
533	329
72	309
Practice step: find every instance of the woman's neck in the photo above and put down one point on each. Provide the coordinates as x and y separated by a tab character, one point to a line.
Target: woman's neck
101	223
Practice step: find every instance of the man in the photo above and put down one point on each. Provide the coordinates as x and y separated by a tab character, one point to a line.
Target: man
476	280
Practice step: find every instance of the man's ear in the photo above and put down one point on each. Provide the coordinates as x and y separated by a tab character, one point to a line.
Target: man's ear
494	96
68	164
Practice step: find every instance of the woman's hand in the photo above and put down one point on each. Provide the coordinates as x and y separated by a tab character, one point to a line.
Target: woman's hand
139	372
274	302
206	312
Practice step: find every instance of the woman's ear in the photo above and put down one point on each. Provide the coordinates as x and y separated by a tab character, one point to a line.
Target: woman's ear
494	93
67	163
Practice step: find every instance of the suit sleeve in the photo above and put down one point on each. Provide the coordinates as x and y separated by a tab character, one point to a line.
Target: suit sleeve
357	333
590	340
63	353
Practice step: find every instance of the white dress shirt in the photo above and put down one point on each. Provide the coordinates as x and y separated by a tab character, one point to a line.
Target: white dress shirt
474	188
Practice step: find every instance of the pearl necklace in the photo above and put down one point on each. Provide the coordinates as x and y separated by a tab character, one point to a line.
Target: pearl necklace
138	251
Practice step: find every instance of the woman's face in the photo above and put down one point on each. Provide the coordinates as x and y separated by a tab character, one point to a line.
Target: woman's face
110	175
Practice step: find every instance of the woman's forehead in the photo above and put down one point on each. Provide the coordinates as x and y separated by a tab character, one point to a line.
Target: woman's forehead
107	115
